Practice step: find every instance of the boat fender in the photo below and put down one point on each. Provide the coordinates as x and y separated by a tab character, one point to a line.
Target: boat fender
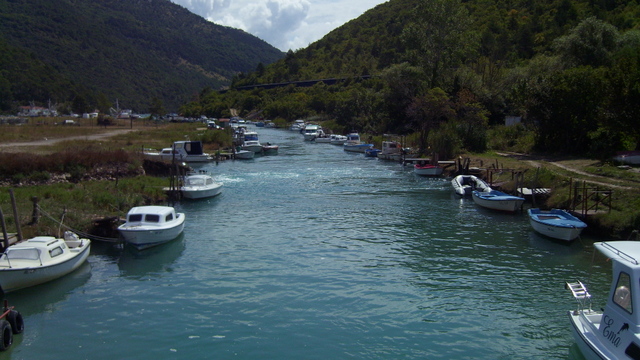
6	336
16	321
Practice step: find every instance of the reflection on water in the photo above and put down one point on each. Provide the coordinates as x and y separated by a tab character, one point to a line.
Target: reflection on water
151	261
314	254
45	297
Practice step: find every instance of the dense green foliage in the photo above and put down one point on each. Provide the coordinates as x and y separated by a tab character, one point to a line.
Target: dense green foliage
448	69
89	53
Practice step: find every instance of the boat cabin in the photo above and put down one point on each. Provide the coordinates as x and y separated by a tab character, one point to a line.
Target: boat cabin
614	333
40	250
391	147
189	147
198	180
151	215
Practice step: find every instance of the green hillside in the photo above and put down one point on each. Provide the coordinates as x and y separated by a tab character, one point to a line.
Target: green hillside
447	72
134	51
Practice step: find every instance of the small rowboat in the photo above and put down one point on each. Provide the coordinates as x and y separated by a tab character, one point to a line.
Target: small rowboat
556	223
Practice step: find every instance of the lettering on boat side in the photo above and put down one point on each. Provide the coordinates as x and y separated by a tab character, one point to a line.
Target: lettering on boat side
609	333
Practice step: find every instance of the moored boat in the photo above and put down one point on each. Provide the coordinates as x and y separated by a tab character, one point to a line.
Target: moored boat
183	151
463	185
250	142
338	139
199	186
391	150
497	200
148	226
354	144
371	152
424	169
270	149
312	131
556	223
41	259
613	331
628	157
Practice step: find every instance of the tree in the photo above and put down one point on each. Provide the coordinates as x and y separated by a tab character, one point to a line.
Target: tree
428	112
156	109
440	38
592	43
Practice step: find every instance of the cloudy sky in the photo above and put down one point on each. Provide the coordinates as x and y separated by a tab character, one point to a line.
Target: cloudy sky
285	24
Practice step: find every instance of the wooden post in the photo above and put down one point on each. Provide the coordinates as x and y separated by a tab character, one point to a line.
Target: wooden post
4	230
15	214
35	216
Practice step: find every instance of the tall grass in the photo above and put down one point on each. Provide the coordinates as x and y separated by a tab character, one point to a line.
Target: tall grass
79	204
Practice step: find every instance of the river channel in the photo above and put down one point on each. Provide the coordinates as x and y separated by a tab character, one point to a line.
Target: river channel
317	253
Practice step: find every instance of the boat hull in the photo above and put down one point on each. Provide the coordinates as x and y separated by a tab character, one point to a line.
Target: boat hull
428	171
244	154
496	200
193	192
357	148
12	279
143	237
584	334
254	148
463	185
556	224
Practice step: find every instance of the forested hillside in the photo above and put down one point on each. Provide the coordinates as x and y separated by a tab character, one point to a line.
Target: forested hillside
89	53
444	70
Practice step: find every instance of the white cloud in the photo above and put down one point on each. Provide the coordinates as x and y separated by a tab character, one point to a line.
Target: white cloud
285	24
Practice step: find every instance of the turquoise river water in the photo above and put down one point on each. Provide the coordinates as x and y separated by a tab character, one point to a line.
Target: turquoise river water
316	253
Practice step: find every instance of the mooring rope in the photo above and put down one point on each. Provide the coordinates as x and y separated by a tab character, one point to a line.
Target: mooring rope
78	232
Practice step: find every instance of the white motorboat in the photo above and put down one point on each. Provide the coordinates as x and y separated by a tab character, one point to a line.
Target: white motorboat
324	139
244	154
354	144
250	142
297	125
556	223
200	185
391	150
270	149
338	139
424	169
465	184
148	226
312	131
612	332
497	200
183	151
41	259
628	157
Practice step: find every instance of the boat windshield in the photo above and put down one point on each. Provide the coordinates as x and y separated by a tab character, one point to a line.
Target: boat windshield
195	181
135	217
28	254
152	218
622	295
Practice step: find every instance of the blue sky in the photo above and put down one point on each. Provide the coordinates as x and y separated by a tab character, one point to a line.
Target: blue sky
285	24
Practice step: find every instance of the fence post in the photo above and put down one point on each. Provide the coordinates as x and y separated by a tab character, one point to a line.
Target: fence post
35	216
4	230
15	214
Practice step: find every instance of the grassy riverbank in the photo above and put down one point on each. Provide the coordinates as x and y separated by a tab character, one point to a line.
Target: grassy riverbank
83	173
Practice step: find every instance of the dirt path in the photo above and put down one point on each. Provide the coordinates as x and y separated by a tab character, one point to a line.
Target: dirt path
46	142
592	178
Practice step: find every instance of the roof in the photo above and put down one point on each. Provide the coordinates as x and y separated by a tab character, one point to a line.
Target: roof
627	252
153	209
